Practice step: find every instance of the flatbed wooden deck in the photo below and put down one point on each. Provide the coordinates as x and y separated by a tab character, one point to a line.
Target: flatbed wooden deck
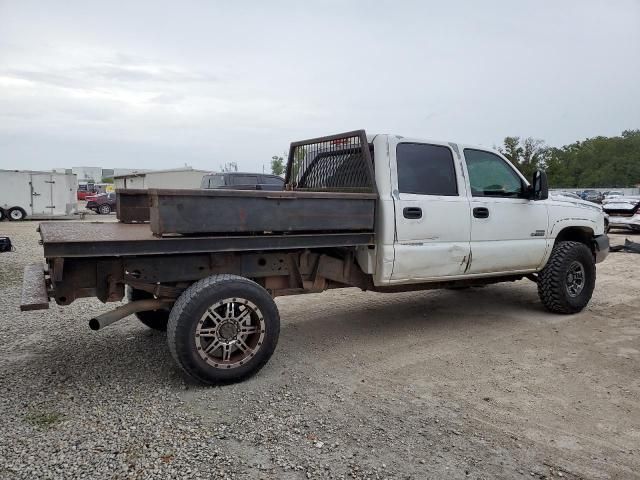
96	239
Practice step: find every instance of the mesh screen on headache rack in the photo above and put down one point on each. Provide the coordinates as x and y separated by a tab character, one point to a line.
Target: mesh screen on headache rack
337	163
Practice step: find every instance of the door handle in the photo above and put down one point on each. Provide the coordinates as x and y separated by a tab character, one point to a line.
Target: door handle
481	212
412	212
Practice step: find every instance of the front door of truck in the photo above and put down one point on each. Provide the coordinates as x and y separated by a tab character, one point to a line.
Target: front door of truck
508	231
431	212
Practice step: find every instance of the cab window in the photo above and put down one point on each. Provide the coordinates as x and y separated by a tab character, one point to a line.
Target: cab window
491	176
244	179
426	169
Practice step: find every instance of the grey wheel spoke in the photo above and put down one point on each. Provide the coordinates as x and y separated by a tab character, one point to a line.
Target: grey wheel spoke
213	346
207	333
244	316
214	317
248	329
226	352
243	347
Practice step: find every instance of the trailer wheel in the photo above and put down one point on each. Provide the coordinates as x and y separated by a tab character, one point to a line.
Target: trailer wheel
154	319
566	283
2	214
223	329
16	214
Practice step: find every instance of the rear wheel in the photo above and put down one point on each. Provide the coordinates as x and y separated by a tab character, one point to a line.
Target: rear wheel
223	329
104	209
154	319
16	214
2	214
566	283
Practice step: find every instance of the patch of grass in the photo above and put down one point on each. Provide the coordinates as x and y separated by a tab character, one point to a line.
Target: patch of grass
43	419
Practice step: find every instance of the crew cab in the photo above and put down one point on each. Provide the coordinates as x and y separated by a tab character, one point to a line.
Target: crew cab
381	212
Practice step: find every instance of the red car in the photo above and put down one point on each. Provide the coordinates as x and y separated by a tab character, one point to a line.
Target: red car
103	203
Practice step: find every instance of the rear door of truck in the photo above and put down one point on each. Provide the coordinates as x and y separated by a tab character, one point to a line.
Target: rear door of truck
432	211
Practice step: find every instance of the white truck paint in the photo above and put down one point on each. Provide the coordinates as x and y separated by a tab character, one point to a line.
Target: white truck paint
39	194
448	242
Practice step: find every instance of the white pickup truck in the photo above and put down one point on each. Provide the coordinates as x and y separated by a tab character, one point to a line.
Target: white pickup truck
379	212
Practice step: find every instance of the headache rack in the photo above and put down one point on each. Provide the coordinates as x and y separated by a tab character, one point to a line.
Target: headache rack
336	163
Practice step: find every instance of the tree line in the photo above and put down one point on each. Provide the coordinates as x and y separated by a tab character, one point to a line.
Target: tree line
594	162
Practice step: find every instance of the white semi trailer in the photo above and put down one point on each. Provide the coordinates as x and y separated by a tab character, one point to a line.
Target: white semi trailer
25	193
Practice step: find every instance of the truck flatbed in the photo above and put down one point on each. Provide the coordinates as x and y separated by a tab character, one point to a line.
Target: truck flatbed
97	239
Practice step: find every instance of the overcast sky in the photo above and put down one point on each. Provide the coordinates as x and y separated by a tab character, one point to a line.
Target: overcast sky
153	84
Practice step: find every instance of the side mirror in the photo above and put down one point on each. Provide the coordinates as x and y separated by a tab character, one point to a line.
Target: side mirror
540	186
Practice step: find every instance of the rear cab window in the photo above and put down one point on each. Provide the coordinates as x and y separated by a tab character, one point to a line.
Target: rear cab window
272	180
426	169
213	181
244	180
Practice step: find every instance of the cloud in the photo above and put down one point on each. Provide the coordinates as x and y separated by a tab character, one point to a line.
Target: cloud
99	74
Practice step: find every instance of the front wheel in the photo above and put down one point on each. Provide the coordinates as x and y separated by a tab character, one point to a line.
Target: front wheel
566	283
223	329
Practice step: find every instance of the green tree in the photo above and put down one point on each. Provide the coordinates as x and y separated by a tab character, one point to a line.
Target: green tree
527	155
596	162
277	165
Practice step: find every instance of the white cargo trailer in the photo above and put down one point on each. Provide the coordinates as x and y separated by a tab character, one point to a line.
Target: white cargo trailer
25	193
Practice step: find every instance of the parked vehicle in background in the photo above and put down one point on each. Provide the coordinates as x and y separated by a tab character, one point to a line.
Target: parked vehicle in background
624	212
568	194
25	193
103	203
85	189
382	213
242	181
612	194
592	196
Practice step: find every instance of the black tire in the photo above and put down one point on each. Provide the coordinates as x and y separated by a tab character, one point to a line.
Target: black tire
556	284
194	307
104	209
16	214
154	319
2	214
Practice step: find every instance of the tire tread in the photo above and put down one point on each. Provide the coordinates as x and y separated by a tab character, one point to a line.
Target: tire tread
551	278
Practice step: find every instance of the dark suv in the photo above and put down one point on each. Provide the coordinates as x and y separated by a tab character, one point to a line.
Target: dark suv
242	181
103	203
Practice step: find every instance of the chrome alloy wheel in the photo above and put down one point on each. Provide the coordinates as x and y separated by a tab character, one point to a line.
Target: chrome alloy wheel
575	279
230	333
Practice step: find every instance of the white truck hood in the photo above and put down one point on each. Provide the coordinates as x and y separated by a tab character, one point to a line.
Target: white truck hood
574	201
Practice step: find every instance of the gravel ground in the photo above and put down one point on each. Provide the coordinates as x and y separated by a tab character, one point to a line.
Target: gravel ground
442	384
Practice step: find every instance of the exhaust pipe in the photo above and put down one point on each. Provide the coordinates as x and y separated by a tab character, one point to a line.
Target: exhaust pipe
119	313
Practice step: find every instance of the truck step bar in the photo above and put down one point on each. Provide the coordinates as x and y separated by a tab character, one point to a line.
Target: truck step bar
34	288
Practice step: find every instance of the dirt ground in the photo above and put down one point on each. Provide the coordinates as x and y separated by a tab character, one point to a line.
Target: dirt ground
482	383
